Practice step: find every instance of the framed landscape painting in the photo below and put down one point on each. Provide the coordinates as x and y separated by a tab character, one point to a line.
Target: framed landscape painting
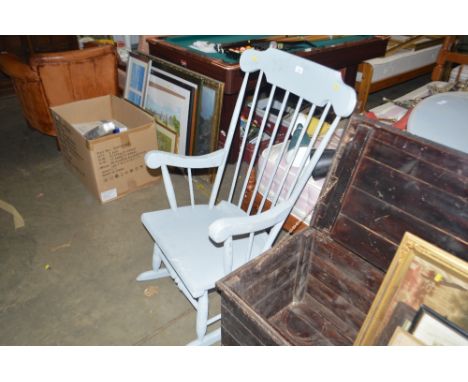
193	89
420	275
170	102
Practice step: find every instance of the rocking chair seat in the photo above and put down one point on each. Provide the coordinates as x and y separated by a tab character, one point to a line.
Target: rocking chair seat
178	232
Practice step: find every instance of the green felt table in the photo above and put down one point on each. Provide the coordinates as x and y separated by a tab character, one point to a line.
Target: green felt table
187	42
340	52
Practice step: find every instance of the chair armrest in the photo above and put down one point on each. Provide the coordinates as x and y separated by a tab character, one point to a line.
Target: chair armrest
223	228
14	68
155	159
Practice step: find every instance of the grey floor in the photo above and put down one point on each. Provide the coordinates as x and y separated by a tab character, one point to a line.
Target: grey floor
68	276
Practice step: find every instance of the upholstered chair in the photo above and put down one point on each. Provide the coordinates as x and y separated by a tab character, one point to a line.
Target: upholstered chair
53	79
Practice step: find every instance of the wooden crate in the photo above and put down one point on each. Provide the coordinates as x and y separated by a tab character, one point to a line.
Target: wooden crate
316	287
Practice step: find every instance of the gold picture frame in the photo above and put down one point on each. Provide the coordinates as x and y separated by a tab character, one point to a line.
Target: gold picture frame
420	274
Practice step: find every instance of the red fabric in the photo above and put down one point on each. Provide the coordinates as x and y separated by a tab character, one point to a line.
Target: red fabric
371	115
403	121
400	124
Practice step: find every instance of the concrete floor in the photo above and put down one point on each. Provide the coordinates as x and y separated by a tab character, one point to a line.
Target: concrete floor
93	252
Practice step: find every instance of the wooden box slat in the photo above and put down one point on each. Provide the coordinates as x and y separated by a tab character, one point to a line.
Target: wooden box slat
338	256
431	152
247	323
236	330
396	220
278	277
316	288
418	199
341	282
345	310
280	297
432	173
228	339
338	278
368	244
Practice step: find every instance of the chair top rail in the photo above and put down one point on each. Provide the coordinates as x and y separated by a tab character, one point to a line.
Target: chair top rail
314	82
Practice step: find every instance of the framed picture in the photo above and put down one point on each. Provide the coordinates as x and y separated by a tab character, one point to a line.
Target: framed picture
403	338
190	86
431	328
207	105
167	138
205	138
170	101
420	274
137	76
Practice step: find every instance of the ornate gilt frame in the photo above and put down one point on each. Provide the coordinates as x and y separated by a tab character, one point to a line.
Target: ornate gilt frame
411	247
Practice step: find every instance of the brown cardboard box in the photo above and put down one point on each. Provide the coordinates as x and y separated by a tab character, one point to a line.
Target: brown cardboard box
112	165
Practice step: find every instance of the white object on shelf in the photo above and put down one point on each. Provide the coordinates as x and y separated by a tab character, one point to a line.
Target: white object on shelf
442	118
204	46
394	112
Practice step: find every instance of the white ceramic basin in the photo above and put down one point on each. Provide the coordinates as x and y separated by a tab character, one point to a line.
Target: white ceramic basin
442	118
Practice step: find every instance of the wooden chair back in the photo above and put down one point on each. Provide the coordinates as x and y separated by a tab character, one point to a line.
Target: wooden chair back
298	85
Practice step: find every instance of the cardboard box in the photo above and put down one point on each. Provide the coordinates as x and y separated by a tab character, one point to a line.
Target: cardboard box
113	165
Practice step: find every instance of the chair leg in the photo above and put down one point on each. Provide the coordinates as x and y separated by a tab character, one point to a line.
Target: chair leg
202	315
202	319
157	272
202	324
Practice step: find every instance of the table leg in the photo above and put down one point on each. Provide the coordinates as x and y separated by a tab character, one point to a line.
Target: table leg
350	75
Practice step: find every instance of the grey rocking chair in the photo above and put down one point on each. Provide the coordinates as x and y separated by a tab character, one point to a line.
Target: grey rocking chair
200	243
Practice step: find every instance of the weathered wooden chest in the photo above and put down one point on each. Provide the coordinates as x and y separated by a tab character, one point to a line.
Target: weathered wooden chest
316	287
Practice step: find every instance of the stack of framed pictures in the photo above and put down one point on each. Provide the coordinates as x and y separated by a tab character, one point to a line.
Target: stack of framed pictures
423	299
186	105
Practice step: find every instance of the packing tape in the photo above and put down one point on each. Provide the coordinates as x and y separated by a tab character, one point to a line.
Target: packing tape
18	220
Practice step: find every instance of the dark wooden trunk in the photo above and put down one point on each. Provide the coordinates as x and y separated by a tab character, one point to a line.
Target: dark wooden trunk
316	287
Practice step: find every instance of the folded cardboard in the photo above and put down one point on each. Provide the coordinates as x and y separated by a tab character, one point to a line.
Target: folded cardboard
113	165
